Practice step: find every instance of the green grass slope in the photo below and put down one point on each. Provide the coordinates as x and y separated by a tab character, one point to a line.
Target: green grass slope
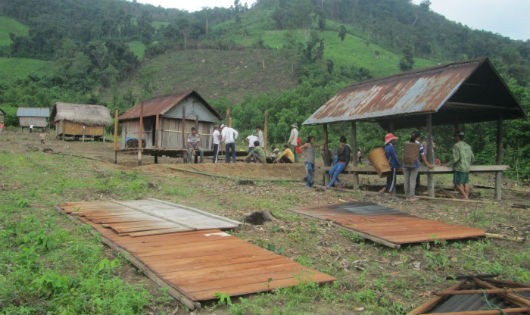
231	74
9	25
20	68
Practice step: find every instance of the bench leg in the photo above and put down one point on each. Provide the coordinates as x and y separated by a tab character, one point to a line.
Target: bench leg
498	186
430	184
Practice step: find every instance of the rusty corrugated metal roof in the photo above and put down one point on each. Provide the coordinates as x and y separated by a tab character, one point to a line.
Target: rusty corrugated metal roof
478	295
419	93
161	104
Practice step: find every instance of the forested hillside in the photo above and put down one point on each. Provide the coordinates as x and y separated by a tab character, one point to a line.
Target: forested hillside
286	57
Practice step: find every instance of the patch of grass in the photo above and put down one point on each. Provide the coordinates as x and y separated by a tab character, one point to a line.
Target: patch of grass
9	25
138	48
20	68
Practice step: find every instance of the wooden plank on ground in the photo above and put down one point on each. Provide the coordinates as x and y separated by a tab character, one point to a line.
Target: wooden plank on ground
392	230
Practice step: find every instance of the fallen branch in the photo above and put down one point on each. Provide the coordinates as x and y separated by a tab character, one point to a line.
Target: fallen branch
505	237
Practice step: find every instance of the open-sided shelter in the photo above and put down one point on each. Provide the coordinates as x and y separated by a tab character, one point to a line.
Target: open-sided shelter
80	120
165	121
451	94
33	116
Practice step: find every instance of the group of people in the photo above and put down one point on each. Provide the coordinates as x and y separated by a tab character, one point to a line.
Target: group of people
462	156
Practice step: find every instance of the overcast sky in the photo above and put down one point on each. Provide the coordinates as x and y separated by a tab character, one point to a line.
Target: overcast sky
509	18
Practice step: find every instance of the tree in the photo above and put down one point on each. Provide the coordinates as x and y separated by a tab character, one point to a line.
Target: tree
407	61
342	32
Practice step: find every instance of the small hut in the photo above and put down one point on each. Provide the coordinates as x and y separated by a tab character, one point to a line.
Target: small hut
80	120
165	121
33	116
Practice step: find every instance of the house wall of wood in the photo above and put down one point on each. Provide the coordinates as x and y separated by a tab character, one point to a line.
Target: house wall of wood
69	128
40	122
171	133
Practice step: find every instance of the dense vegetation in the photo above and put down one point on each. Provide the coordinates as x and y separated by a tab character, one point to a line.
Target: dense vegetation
301	52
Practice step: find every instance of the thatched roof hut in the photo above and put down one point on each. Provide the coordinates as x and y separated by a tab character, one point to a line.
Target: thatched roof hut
80	119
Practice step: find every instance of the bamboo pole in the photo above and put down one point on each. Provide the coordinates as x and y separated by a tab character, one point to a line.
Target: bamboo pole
265	130
116	137
430	155
355	160
500	156
140	133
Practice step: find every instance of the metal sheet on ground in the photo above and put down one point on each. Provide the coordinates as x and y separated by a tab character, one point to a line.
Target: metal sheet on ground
388	226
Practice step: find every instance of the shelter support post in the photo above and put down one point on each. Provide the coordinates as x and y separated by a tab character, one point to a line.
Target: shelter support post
325	152
157	131
116	137
354	153
500	157
430	155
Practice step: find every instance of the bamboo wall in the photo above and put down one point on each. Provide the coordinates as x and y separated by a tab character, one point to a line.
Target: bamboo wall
68	128
169	134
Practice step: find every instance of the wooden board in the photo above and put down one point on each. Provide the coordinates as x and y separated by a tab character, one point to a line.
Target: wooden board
197	265
388	226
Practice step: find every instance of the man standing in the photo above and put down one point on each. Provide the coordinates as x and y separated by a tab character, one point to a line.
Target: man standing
216	140
461	163
194	145
229	136
391	156
293	140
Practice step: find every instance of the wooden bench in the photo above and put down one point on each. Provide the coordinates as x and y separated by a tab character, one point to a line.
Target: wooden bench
369	170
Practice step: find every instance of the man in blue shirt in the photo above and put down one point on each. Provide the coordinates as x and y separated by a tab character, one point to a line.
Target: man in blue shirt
391	156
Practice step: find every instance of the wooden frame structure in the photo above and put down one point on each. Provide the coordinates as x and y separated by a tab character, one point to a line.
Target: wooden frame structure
464	92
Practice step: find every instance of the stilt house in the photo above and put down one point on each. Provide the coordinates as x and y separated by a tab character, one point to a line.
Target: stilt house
80	120
36	116
165	121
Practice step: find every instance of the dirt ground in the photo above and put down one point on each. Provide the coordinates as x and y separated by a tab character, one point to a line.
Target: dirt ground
242	176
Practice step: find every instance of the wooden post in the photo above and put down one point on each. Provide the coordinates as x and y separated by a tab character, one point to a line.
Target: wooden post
325	150
500	157
355	160
140	133
116	137
84	131
265	130
228	118
157	131
430	155
183	136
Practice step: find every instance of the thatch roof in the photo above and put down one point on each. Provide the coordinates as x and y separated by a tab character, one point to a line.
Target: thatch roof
90	115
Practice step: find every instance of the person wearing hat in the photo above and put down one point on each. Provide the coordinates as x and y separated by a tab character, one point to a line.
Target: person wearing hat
293	140
343	158
410	172
461	163
391	156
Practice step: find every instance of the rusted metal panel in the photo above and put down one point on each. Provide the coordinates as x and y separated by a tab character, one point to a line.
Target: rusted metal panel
199	264
473	90
388	226
156	216
478	296
409	93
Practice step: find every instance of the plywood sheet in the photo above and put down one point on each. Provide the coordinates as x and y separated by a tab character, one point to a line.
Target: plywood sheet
388	226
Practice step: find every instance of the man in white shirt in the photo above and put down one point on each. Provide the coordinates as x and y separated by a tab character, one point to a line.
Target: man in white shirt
251	139
293	140
229	136
216	140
